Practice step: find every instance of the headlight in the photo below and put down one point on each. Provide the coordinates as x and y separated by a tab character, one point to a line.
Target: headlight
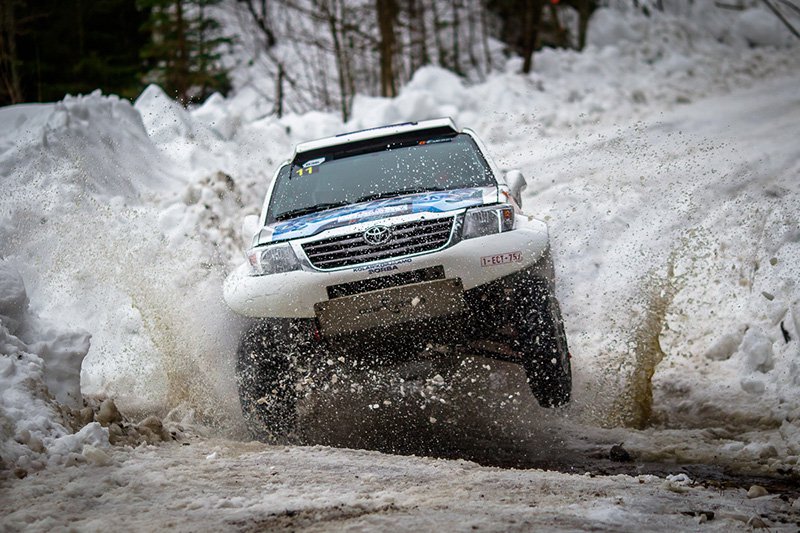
272	260
487	220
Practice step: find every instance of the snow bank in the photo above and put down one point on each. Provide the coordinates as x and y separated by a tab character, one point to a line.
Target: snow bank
761	28
87	144
676	244
39	376
61	352
621	76
103	226
752	25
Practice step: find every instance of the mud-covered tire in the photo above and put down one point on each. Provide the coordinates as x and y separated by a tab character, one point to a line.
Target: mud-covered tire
266	379
543	343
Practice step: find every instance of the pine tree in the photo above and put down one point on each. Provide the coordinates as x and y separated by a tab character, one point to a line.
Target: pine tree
10	88
49	48
185	50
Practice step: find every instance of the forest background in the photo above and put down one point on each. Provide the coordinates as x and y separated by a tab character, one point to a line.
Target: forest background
308	54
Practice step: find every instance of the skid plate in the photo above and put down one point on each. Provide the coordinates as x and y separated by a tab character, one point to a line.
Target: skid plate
388	307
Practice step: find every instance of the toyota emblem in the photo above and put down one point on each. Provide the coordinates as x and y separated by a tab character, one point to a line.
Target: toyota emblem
377	235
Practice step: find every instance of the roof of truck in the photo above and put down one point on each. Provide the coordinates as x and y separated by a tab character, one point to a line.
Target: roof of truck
375	133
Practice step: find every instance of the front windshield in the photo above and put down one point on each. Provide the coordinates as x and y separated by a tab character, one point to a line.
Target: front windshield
442	163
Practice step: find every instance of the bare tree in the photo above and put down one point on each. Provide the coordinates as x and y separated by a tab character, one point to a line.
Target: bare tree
531	17
471	38
438	26
456	27
417	35
259	11
321	53
386	11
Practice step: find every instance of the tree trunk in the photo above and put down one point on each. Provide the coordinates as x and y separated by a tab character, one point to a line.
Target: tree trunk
425	57
559	30
340	61
437	26
473	59
485	35
531	16
203	67
387	13
279	92
584	12
347	57
182	60
456	28
417	37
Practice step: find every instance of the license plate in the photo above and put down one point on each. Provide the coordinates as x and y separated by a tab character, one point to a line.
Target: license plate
501	259
387	307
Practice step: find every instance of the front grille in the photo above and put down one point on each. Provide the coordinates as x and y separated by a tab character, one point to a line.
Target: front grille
407	238
385	282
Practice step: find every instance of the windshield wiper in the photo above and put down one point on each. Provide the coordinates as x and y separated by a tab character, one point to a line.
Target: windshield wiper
309	209
381	195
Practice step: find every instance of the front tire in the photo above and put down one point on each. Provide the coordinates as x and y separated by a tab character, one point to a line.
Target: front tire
543	343
266	378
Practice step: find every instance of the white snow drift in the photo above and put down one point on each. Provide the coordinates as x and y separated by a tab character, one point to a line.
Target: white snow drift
39	371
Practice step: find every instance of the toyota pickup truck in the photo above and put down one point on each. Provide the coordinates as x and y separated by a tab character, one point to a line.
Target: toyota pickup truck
374	244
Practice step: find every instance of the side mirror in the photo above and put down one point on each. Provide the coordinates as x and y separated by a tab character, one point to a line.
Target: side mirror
250	226
516	184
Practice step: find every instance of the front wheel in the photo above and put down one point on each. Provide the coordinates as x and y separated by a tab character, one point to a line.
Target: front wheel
546	358
266	378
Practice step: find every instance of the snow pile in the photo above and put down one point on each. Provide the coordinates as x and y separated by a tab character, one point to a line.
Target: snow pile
677	246
39	373
103	227
663	62
760	28
751	25
86	144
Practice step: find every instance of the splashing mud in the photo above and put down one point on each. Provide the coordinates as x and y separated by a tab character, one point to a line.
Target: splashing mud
650	312
162	337
634	405
467	407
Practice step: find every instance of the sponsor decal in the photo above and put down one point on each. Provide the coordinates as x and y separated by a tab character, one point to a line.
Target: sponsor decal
382	267
433	202
501	259
314	162
301	171
436	141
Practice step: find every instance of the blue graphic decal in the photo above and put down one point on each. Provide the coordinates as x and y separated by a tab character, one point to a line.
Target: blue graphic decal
427	202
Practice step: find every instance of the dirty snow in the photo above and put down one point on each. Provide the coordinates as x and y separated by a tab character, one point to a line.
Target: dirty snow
214	485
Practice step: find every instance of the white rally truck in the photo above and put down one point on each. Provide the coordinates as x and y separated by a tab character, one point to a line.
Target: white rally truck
374	244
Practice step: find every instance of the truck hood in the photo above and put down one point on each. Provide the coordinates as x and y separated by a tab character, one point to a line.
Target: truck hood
427	202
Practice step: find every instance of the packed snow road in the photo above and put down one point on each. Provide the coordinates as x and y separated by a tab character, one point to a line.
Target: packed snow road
212	485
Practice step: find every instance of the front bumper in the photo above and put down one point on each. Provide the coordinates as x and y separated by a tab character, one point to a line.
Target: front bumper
476	262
